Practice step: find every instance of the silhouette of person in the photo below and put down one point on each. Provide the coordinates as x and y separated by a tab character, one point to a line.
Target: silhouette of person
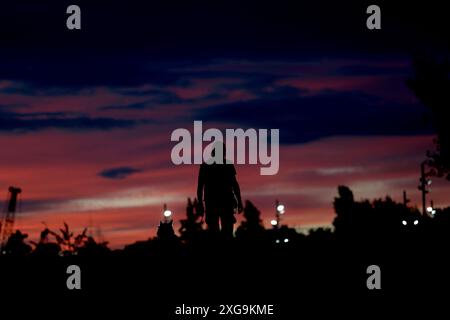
218	187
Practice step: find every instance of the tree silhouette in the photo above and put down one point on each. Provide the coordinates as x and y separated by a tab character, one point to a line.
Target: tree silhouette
379	223
380	219
193	224
165	232
431	85
16	245
251	228
441	226
67	241
92	248
45	248
348	213
320	235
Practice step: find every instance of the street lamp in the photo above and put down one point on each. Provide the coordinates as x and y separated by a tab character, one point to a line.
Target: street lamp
431	209
167	214
280	209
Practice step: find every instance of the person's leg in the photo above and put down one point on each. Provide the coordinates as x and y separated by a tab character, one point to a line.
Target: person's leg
227	221
212	219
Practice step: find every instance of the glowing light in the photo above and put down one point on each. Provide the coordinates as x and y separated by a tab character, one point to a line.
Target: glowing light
404	222
286	240
277	241
280	208
416	222
167	213
430	209
274	222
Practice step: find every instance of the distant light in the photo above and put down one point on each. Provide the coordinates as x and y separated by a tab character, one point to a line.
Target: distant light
167	213
416	222
404	222
286	240
274	222
429	181
277	241
430	209
433	212
280	208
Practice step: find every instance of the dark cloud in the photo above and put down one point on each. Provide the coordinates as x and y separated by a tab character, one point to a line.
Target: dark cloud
371	70
303	118
59	72
131	106
118	173
32	205
21	123
160	97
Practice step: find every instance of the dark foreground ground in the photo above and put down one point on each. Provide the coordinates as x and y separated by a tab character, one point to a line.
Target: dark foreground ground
323	281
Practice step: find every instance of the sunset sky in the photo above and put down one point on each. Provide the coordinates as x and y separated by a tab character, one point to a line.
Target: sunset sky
86	116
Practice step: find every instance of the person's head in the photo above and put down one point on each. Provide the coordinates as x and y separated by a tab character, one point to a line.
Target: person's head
218	153
219	147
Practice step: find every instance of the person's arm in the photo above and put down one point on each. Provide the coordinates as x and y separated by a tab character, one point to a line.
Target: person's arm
200	185
237	193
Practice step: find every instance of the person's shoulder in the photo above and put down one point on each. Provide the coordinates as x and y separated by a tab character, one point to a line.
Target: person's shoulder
203	167
230	166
